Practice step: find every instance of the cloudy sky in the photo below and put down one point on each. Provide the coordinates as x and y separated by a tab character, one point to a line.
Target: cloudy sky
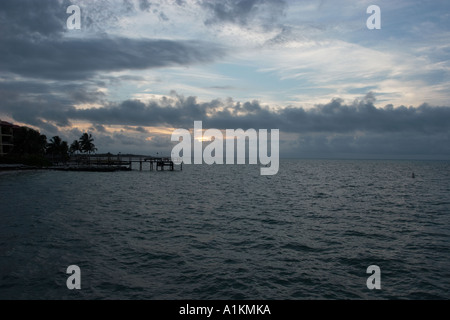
138	69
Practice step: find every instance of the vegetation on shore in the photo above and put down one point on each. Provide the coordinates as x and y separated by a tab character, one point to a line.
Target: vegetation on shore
32	149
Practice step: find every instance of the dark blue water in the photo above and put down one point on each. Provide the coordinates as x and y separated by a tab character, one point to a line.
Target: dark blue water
225	232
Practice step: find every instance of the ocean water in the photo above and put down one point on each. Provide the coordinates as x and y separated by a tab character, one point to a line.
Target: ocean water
225	232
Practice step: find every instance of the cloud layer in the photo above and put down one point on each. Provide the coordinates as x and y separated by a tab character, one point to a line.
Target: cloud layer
297	66
335	128
77	59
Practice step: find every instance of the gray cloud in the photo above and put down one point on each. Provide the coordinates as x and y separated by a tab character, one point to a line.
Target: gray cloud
335	128
136	129
30	17
33	43
179	111
243	12
144	5
332	129
98	128
82	58
31	101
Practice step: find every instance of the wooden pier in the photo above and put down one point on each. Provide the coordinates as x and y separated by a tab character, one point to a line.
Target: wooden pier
161	164
154	163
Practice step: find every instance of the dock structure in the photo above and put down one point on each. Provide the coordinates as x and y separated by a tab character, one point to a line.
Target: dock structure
154	163
161	164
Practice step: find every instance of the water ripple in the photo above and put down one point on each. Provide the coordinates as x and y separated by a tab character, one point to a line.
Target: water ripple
225	232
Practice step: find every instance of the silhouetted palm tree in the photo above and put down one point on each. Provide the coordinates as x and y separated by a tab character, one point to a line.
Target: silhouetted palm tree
87	145
53	147
58	149
64	151
75	147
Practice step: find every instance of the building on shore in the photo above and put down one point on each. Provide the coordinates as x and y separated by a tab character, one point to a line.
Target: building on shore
6	137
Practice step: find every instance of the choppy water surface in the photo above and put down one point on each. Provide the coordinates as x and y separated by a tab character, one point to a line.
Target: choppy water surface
225	232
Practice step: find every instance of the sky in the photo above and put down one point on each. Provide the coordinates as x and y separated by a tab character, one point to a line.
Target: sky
136	70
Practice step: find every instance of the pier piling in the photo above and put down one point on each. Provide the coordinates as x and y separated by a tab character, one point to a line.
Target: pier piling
158	164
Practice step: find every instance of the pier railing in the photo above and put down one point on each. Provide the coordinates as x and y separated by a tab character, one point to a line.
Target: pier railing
123	162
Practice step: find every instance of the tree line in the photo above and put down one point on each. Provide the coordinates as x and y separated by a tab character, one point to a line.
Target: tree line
31	147
60	150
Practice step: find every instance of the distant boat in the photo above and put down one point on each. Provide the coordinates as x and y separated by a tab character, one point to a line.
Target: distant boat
413	175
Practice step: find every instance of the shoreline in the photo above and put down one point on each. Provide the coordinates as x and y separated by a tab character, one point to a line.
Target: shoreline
21	167
16	167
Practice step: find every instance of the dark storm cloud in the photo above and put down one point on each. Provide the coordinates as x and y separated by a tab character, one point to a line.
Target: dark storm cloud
48	17
362	115
31	17
333	117
30	101
98	128
34	113
335	128
62	94
33	44
136	129
81	95
82	58
137	113
40	103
